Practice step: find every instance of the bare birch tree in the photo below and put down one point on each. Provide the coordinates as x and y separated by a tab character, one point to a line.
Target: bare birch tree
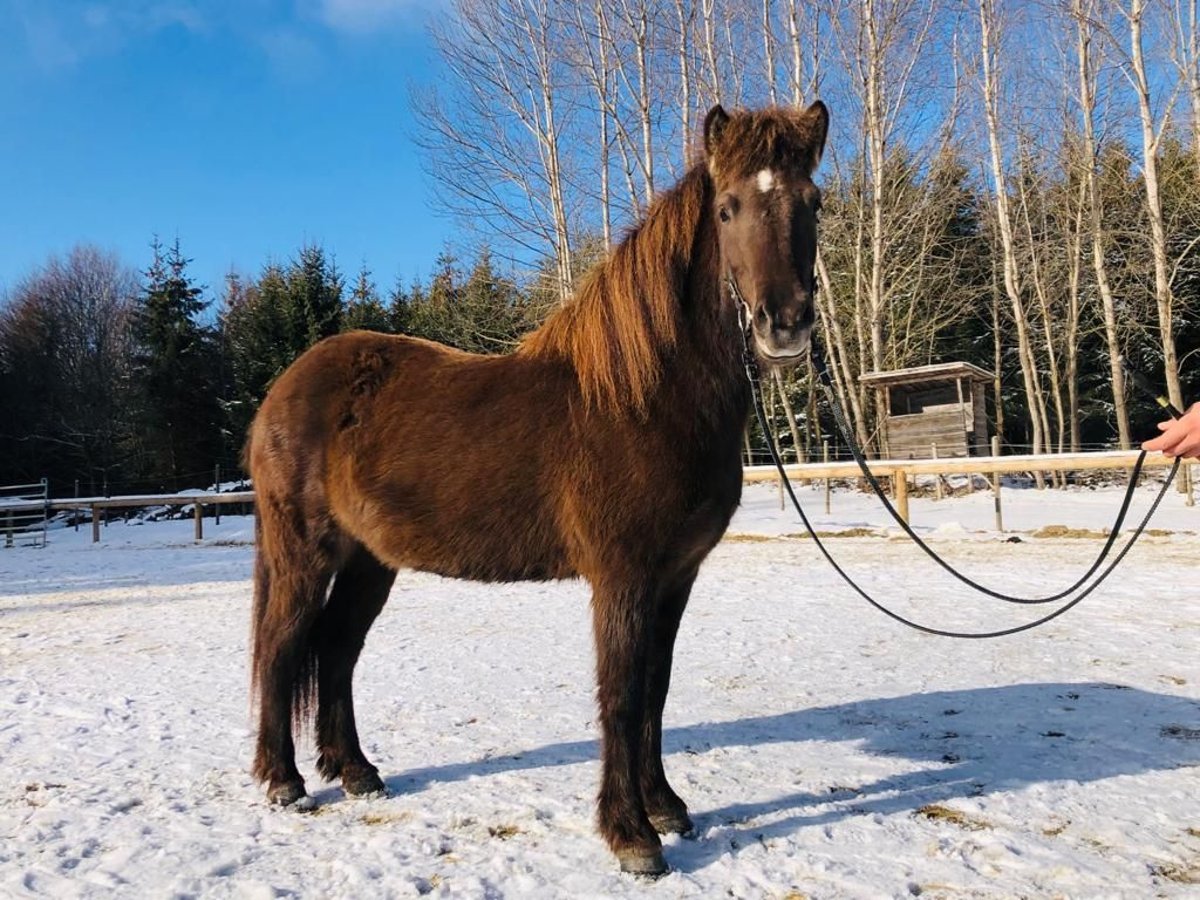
1153	128
1185	54
989	51
507	106
1087	62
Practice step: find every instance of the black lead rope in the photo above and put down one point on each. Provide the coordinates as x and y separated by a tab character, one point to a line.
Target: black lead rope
840	417
751	367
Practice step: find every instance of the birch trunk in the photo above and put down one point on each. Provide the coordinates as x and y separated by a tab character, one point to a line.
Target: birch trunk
1084	11
1012	284
1163	299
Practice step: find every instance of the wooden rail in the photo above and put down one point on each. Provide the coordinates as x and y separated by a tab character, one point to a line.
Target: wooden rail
900	470
97	504
965	465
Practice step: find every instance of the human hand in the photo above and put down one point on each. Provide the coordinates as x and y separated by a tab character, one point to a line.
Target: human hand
1180	437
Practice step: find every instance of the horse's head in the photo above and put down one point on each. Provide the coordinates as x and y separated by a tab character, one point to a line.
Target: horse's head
766	210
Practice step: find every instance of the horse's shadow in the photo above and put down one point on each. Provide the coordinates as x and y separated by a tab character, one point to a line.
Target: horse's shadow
978	741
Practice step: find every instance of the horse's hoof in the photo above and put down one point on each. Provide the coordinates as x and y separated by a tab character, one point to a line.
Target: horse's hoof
673	823
285	793
363	784
643	865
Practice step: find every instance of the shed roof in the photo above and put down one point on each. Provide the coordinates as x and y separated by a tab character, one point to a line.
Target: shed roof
949	371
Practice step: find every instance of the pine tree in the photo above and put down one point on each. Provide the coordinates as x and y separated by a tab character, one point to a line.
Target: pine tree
365	309
257	339
175	376
314	298
400	307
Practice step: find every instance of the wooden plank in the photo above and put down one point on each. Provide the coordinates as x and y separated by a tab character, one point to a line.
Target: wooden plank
1025	462
127	501
934	372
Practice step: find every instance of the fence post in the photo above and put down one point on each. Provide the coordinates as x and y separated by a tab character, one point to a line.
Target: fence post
937	479
1190	478
217	489
95	524
900	485
45	510
996	486
828	481
199	522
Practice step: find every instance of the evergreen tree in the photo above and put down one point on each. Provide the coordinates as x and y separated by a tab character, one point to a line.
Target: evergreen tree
490	310
175	376
257	339
365	309
314	298
401	305
267	324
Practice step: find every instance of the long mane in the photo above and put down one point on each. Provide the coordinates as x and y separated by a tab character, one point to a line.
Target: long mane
625	316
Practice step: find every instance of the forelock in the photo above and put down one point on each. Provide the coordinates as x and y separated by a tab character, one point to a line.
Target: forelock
776	139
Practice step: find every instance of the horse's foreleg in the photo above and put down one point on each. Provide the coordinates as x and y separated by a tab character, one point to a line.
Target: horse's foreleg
360	590
622	619
667	812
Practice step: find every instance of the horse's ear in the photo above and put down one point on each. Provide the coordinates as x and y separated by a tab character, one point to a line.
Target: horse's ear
714	124
817	116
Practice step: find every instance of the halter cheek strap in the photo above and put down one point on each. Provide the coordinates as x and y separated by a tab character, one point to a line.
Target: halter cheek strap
749	360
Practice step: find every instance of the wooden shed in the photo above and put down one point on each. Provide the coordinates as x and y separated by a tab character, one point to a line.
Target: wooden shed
942	404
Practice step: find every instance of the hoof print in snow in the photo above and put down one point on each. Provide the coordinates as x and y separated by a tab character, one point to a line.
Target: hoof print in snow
938	813
1180	732
1180	873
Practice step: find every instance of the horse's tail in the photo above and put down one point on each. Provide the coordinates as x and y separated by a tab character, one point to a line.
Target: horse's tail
266	623
262	592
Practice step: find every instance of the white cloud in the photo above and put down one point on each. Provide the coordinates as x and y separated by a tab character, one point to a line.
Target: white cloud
362	16
60	34
294	56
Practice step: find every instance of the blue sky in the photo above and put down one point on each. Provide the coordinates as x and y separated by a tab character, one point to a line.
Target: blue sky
245	128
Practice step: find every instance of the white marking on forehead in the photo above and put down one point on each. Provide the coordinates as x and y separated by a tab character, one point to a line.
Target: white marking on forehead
766	180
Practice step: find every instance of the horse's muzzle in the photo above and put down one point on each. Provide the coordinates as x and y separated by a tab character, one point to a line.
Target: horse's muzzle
783	349
782	336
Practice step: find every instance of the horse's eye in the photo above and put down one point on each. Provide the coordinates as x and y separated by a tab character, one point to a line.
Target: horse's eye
724	214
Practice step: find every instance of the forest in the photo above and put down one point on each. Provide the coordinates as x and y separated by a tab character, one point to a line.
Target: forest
1011	184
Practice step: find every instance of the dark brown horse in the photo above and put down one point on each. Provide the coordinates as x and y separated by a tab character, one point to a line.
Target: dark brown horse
606	447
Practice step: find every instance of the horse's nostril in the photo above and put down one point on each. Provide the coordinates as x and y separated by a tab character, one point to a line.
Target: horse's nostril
761	318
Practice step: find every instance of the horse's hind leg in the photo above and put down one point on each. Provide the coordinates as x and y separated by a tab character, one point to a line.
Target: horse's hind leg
292	571
667	812
360	590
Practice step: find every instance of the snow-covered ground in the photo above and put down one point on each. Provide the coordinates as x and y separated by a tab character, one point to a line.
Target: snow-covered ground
824	750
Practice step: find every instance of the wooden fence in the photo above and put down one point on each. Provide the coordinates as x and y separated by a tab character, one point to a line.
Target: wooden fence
900	471
98	506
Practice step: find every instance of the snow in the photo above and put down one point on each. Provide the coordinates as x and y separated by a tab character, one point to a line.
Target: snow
824	750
